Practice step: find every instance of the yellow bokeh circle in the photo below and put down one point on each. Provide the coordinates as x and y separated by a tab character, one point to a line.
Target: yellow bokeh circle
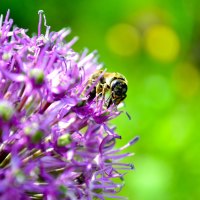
123	39
162	43
186	79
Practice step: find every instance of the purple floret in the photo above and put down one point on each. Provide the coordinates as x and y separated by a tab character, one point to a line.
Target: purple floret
54	143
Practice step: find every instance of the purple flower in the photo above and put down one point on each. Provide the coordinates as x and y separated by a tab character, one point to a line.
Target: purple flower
54	143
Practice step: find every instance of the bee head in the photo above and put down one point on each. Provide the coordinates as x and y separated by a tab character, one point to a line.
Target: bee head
119	88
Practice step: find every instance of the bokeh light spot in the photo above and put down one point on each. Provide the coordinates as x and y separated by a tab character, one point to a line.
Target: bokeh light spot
186	80
123	40
162	43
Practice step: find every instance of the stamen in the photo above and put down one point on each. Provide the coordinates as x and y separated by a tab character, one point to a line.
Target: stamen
72	42
1	20
87	59
84	54
134	140
65	31
47	27
122	164
7	16
40	12
118	157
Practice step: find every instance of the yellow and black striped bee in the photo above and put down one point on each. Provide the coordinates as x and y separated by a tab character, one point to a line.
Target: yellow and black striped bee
114	85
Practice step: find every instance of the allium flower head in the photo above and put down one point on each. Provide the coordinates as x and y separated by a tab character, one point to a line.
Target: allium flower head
54	143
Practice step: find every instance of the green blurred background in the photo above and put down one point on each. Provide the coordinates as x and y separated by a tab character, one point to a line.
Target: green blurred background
156	45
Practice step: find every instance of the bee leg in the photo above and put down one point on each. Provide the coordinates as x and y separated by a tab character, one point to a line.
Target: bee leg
92	94
104	90
98	93
110	102
97	99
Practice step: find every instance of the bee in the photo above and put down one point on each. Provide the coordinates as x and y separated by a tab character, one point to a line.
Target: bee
112	84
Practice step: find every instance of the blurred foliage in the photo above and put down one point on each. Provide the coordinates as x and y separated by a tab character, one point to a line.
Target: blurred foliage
156	45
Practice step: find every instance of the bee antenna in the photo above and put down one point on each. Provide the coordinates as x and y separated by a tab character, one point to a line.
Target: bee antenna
127	114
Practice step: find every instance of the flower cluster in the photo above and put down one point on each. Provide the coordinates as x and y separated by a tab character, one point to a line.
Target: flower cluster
54	144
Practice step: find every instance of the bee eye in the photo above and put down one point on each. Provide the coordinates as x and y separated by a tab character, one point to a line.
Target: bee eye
119	87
